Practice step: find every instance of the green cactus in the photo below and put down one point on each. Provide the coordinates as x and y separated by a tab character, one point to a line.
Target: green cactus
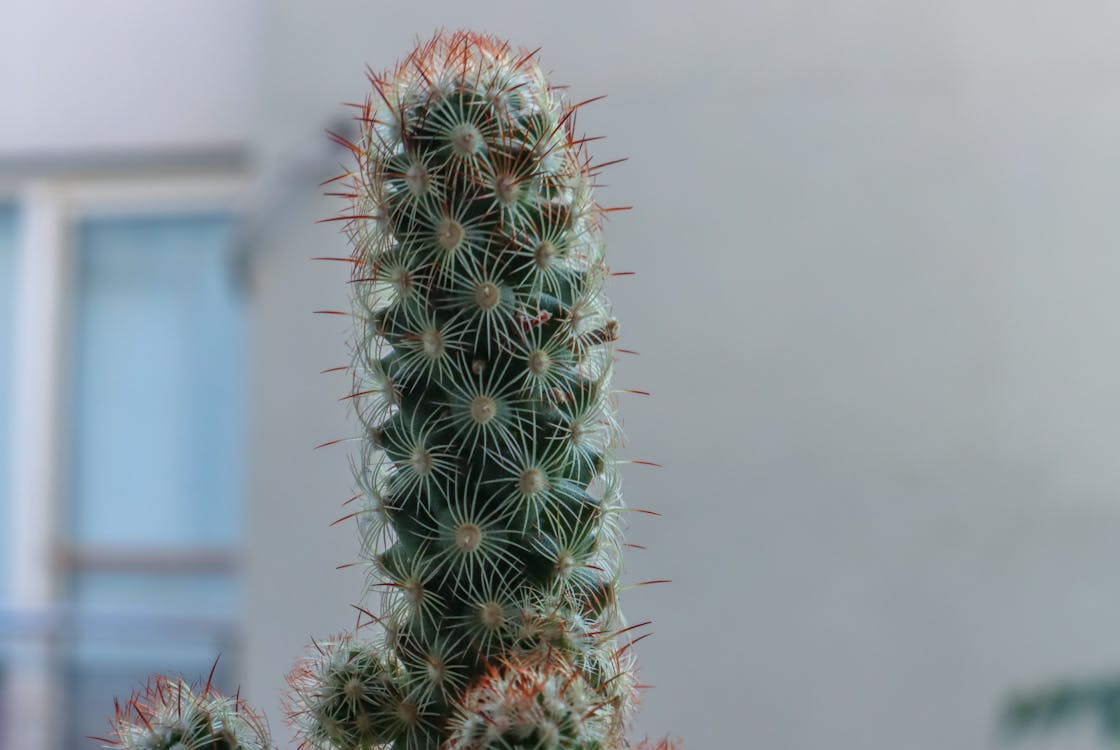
167	714
482	365
482	359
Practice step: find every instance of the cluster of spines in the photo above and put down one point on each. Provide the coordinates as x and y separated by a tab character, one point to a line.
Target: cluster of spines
533	703
482	360
169	714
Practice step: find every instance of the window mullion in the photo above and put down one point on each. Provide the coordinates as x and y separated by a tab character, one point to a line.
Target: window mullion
36	468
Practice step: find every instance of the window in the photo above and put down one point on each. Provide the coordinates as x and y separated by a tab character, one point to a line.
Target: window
145	463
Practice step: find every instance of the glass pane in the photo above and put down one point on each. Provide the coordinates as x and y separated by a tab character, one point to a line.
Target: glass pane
199	597
157	393
7	309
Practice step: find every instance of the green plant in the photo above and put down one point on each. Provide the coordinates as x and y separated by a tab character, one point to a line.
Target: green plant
168	714
1047	708
483	352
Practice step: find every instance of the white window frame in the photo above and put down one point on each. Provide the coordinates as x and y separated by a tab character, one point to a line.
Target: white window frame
48	208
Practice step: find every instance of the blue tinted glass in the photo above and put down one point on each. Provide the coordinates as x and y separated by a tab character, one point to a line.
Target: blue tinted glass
193	596
7	308
157	391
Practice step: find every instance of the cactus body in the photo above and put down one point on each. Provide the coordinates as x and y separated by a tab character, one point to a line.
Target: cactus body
482	358
168	714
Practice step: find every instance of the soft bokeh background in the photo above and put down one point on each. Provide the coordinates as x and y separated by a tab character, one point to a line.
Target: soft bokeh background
876	300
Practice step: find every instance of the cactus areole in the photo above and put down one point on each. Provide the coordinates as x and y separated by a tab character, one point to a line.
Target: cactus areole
482	358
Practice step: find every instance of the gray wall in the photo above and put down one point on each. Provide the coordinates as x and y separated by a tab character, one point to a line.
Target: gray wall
80	78
876	255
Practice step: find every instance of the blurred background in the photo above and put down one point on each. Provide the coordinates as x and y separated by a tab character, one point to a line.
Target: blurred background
876	304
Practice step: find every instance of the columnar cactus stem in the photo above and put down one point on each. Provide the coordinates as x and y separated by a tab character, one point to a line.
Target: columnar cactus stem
482	363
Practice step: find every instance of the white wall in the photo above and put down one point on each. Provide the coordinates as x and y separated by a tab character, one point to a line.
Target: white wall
876	255
79	77
875	246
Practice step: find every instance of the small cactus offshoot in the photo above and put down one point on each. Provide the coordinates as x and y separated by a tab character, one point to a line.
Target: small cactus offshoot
536	703
170	714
